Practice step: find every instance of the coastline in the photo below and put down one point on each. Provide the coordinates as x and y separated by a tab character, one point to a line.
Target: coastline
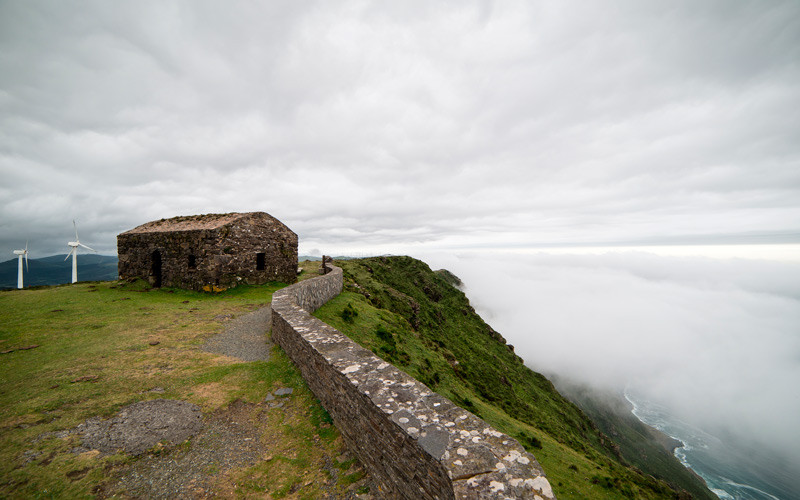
677	447
670	442
700	452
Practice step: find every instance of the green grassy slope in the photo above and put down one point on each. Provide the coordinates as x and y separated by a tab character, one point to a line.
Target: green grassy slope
105	345
415	319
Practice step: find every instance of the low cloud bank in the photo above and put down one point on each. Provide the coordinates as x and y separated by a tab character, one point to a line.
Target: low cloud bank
716	340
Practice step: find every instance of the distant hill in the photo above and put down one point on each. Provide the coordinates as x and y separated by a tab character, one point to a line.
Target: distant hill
314	258
54	270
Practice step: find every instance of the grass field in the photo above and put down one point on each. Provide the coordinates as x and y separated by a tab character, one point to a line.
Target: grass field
105	345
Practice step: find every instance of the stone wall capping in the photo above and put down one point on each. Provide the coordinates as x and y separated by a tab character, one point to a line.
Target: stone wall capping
415	443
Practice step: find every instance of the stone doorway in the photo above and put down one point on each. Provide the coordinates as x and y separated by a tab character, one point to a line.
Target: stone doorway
156	269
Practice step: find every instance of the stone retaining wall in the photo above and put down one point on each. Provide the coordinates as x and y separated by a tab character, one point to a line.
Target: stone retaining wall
415	443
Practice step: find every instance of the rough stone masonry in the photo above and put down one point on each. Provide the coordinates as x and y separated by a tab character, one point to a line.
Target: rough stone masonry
209	252
415	443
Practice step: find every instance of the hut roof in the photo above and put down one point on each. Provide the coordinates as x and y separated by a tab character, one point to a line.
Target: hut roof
193	222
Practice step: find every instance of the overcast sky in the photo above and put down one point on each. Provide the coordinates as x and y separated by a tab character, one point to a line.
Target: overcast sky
374	125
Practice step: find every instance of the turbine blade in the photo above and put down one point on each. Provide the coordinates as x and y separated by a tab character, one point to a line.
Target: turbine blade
67	257
26	258
76	230
87	248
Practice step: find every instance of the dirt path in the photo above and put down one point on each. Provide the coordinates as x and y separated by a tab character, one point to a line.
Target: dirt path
244	337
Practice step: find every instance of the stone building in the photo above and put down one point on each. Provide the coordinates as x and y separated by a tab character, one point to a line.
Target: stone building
207	252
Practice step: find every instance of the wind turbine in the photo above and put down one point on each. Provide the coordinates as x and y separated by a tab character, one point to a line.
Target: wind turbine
20	253
74	252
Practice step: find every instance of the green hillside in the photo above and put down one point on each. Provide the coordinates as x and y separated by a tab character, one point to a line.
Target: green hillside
416	319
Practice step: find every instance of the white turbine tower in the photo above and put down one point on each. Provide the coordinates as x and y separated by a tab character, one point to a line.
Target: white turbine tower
20	253
74	252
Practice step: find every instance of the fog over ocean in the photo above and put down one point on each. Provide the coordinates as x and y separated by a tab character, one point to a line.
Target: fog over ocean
708	342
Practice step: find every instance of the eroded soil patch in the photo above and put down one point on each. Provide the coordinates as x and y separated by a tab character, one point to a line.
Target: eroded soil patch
227	440
140	426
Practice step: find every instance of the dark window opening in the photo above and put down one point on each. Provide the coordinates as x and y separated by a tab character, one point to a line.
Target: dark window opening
261	259
192	262
156	268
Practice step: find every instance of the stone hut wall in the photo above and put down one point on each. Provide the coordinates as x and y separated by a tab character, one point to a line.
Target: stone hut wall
415	443
222	257
136	257
235	253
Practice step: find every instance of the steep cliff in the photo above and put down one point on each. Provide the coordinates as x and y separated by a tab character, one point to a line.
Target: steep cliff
416	319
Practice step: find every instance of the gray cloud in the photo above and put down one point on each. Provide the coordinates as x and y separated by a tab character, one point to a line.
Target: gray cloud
365	125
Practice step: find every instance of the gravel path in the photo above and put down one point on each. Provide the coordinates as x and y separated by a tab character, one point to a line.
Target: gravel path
245	337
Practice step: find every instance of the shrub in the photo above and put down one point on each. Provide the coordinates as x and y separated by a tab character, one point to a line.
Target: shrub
384	335
349	313
529	441
604	482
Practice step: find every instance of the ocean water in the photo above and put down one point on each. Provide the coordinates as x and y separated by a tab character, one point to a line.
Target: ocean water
732	472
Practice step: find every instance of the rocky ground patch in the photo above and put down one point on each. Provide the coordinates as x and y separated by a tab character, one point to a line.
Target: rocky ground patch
141	426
